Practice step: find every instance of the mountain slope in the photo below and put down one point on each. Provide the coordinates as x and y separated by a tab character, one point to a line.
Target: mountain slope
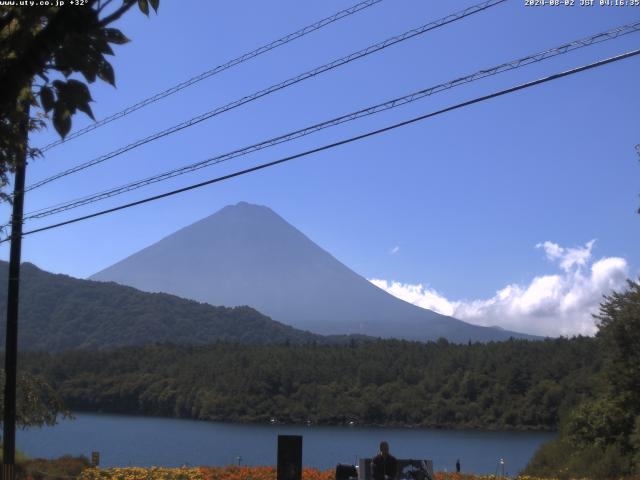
58	312
248	255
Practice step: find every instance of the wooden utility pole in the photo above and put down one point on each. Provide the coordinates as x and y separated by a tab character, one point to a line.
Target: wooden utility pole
11	349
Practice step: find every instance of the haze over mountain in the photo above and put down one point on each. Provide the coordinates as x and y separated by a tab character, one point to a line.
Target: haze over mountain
248	255
58	312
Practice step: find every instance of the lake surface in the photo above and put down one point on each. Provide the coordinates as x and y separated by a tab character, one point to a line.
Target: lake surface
145	441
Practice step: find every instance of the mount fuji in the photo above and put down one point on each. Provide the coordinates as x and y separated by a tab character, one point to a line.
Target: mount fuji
247	254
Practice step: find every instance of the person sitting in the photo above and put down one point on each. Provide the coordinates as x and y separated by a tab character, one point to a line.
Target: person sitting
384	465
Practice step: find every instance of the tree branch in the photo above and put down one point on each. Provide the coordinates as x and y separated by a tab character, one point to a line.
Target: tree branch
102	6
126	5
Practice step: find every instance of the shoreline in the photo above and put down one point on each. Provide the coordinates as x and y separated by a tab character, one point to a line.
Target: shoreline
446	427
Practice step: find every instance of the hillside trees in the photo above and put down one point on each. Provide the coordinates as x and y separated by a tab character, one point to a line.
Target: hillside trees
385	382
58	312
601	437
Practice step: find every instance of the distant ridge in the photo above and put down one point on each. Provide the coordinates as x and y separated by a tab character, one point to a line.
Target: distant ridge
58	312
246	254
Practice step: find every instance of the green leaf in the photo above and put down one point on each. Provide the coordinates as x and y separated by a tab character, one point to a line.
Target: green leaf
113	35
87	110
78	92
144	6
155	4
102	45
90	64
90	71
61	120
105	72
75	95
46	98
71	58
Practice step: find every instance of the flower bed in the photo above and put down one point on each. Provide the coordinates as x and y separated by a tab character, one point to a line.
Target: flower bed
236	473
197	473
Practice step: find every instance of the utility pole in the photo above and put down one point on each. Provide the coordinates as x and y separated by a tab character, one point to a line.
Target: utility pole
11	349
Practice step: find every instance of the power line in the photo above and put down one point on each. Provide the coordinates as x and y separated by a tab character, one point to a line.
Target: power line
220	68
396	102
274	88
341	142
291	81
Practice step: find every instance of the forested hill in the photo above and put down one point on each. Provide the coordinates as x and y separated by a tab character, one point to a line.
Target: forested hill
515	384
58	312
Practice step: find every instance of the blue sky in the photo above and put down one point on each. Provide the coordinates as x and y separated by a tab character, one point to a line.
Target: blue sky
453	206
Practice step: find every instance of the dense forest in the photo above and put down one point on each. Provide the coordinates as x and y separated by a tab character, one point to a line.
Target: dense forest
517	384
59	312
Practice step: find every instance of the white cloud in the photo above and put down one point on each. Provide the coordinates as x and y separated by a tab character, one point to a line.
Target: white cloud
394	250
416	294
553	305
568	257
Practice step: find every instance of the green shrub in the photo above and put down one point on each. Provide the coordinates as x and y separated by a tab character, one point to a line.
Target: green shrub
61	468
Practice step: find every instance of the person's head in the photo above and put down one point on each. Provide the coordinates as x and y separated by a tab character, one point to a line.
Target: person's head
384	448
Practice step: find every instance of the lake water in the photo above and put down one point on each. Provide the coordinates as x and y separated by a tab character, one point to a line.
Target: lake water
143	441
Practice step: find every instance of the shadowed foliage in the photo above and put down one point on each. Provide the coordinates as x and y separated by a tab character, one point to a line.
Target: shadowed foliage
41	48
58	312
516	384
601	437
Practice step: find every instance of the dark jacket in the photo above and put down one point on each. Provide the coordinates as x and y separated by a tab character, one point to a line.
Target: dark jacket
382	467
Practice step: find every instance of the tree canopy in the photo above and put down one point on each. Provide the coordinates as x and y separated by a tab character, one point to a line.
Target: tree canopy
516	384
42	48
601	437
37	403
43	52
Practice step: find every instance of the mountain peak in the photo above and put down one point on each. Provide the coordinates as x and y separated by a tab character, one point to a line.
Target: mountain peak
242	205
244	210
247	254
